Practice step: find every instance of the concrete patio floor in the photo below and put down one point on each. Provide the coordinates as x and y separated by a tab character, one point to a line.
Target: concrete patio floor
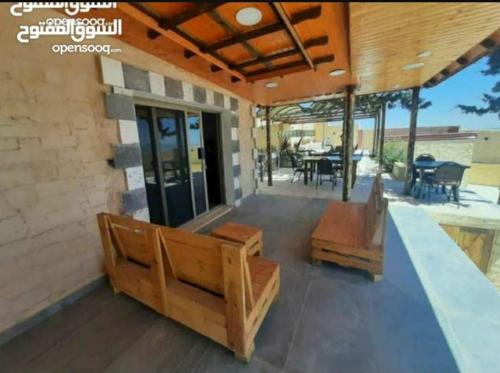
327	319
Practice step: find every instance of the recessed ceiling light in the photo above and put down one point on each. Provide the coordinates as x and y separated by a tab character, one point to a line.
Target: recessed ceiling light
424	54
249	16
337	72
271	84
413	66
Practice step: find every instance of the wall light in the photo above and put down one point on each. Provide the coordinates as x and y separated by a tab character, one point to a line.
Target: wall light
271	85
337	72
424	54
413	66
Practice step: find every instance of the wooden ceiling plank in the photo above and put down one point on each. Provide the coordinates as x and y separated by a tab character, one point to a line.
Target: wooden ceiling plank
269	29
227	26
293	33
149	21
265	30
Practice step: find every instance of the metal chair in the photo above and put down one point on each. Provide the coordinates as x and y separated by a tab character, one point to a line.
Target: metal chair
448	174
325	167
297	165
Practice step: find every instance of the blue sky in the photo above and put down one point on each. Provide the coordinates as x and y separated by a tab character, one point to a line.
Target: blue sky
466	87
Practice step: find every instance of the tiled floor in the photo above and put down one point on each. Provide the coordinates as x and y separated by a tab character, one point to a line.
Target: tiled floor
327	319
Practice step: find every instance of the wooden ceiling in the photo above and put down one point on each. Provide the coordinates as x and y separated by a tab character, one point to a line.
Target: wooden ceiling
296	45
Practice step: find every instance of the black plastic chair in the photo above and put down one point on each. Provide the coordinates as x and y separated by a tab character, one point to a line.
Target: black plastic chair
297	165
425	157
325	167
448	174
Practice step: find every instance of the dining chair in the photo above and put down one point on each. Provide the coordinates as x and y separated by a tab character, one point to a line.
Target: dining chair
297	165
448	174
425	157
325	167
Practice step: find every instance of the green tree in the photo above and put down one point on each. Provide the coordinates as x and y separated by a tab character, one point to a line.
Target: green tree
491	101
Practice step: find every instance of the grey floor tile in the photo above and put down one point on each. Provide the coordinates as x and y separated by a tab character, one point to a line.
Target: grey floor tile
273	341
217	359
334	334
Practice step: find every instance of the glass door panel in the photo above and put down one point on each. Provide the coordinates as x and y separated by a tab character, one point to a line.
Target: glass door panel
174	166
197	162
149	162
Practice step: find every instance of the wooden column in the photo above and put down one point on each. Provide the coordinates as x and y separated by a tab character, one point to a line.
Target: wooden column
411	137
381	134
375	134
348	142
268	148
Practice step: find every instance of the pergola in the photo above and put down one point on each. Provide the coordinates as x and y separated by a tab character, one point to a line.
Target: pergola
298	51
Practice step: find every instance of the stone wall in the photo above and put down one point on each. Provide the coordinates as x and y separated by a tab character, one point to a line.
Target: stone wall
55	140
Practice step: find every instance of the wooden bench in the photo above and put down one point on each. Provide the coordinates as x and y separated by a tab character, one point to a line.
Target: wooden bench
205	283
241	233
351	234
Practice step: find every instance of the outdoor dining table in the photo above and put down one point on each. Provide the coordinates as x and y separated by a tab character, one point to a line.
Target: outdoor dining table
310	165
421	167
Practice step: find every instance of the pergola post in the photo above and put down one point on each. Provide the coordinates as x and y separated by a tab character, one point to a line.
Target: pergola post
375	134
348	133
411	137
268	148
381	135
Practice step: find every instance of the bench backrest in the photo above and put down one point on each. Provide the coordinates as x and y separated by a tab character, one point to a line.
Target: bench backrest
374	207
132	239
195	258
187	256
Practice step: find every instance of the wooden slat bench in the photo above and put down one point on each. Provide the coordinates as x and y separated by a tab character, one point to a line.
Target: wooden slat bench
206	283
351	234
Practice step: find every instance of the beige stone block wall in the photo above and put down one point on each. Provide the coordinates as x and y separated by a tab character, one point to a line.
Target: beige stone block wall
451	150
487	147
54	178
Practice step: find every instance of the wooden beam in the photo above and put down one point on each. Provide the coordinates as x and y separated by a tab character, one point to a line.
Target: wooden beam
411	138
265	59
382	135
172	23
135	12
188	54
347	137
269	29
278	70
323	59
233	31
215	68
316	42
306	15
293	33
268	148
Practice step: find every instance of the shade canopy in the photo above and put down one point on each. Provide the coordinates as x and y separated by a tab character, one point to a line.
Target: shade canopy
296	51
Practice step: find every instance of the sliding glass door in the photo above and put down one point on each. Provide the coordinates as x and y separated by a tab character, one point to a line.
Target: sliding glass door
174	168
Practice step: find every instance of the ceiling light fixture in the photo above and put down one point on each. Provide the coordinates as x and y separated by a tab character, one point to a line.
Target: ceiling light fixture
413	66
249	16
337	72
424	54
271	85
